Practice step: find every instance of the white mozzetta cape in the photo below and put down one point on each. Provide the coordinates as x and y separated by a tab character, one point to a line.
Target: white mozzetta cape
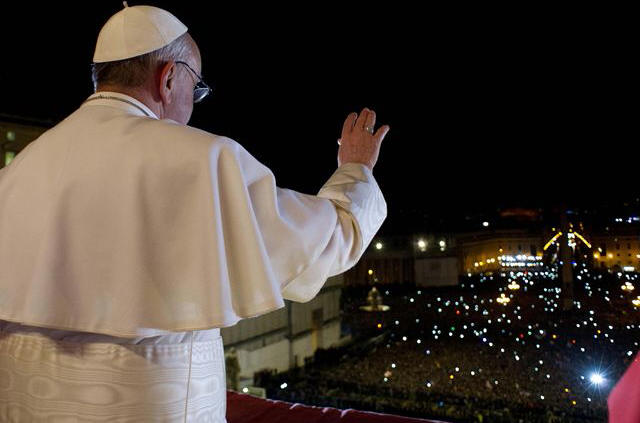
117	223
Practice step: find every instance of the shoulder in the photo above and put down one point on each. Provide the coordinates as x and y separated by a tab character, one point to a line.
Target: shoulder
220	150
172	136
217	142
169	130
217	148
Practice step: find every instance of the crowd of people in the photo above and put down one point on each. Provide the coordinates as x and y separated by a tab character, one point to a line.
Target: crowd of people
457	354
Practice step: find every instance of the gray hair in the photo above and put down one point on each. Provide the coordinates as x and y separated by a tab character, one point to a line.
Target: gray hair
134	72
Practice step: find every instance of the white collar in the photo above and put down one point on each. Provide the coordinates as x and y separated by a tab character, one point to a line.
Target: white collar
124	101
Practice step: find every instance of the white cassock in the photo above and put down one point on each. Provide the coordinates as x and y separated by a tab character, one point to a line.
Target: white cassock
126	242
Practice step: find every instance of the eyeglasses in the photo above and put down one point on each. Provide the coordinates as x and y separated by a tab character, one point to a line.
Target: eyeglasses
201	90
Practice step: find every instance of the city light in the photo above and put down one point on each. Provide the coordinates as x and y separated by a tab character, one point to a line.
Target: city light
513	286
485	224
552	240
378	246
583	240
596	378
422	245
628	286
520	260
503	299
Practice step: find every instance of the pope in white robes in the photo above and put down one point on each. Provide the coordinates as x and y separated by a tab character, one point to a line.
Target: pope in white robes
128	239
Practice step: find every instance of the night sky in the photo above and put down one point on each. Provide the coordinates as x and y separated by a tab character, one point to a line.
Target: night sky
488	108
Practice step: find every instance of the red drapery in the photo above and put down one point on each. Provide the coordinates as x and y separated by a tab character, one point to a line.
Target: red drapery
243	408
624	399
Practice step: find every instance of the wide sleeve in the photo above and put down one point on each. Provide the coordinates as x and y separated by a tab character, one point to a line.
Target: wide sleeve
309	238
360	210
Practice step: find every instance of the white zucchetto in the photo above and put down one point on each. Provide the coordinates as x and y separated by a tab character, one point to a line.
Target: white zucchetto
134	31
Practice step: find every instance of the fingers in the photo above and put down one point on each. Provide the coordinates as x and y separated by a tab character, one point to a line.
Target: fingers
365	120
370	121
362	119
347	127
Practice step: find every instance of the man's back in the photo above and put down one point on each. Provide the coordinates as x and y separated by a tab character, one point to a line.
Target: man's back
121	224
112	208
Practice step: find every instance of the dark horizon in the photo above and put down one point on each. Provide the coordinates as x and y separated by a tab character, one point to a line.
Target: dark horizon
485	114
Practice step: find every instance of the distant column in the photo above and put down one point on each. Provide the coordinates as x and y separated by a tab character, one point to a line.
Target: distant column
566	272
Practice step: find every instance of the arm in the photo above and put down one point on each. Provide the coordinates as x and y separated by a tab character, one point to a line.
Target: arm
360	210
293	239
304	238
310	238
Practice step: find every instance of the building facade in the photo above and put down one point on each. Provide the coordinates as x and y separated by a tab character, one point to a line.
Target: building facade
284	338
392	259
617	249
491	251
16	133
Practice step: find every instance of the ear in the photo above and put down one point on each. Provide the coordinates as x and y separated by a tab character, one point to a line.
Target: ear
166	81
